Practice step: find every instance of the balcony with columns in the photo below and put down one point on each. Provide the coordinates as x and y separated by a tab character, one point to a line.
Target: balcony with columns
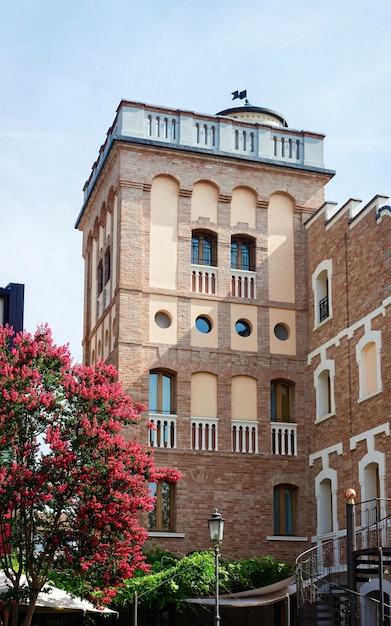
284	438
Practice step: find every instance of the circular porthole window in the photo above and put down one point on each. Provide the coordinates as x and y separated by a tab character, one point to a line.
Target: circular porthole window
243	328
281	331
203	324
162	319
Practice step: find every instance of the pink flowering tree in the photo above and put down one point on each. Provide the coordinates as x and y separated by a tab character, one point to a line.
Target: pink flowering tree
71	486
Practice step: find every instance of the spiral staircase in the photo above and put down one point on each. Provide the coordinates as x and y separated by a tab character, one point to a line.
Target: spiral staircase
346	580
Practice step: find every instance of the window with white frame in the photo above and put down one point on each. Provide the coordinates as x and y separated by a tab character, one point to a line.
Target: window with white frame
368	357
321	286
324	389
325	507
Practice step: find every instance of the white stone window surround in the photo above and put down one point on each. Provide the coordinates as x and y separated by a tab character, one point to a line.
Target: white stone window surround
374	457
370	336
326	473
319	289
324	365
350	330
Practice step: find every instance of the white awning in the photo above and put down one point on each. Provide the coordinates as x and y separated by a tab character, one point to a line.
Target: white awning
255	597
57	600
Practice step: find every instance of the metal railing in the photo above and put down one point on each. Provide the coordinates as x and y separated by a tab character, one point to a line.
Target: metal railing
323	581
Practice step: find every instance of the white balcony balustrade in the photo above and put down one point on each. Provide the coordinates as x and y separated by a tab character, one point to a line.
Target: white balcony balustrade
210	134
204	433
162	433
203	279
244	436
243	284
284	438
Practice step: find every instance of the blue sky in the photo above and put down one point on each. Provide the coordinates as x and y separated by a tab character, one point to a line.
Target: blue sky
66	64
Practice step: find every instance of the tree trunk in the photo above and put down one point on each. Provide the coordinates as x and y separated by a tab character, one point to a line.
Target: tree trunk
14	614
30	611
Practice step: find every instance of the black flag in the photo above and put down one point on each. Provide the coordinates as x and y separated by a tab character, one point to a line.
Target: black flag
239	94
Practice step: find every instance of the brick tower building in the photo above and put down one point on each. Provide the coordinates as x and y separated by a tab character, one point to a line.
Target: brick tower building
196	289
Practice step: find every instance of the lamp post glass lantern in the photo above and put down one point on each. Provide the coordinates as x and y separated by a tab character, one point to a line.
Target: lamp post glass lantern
216	529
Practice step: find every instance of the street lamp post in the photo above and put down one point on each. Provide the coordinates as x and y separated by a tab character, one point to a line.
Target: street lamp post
216	529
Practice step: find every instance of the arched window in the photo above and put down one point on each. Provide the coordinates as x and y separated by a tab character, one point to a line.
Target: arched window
204	248
281	401
204	422
243	253
161	392
325	507
321	286
368	357
372	477
161	518
285	509
324	389
100	278
107	271
371	506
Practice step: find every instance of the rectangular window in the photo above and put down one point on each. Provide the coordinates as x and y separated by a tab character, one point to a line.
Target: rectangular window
280	402
245	257
207	252
161	393
323	308
195	246
161	518
234	256
203	250
242	255
284	510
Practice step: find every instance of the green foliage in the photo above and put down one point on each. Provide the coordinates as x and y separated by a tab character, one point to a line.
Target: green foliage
173	579
254	573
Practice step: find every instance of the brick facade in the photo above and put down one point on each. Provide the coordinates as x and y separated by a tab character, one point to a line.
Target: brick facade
119	215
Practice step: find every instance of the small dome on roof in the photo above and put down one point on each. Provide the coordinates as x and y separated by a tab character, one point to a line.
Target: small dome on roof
251	113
